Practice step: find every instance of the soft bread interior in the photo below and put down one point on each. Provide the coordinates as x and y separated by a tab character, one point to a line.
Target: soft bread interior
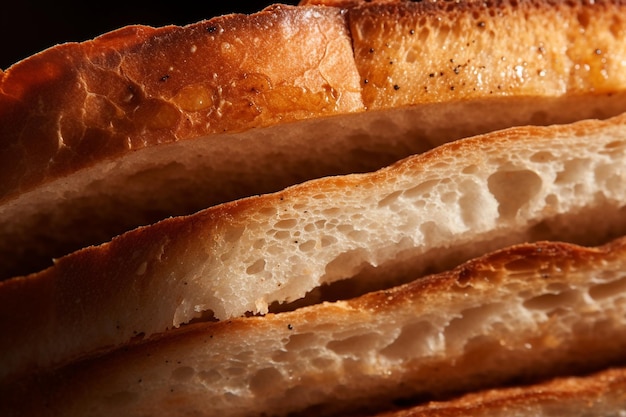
186	176
428	212
520	314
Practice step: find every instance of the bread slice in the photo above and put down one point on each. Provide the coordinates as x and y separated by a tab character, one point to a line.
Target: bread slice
599	394
96	137
142	123
426	213
517	315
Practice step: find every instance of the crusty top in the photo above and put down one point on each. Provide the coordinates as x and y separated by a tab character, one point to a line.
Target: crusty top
410	52
76	104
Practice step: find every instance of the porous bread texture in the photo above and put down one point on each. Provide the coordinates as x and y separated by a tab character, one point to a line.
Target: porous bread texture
524	183
167	180
430	211
71	114
527	312
598	394
144	123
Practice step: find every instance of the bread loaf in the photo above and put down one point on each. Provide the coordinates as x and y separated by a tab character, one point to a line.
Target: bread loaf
310	299
428	212
520	314
142	123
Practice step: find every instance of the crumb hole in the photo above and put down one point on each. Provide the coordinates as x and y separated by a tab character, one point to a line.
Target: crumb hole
548	302
355	344
257	267
265	381
416	339
286	224
608	290
389	199
307	246
513	190
542	157
183	373
574	170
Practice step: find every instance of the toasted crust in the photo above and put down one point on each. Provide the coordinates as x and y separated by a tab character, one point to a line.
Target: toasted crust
139	87
439	208
142	123
598	394
415	52
542	309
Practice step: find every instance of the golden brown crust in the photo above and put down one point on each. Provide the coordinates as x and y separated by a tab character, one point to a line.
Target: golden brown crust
594	394
540	259
416	52
73	105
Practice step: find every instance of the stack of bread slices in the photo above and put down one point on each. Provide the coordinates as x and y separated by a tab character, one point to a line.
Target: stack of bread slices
354	207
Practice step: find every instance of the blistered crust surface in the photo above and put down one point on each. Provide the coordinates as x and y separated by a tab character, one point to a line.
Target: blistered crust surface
136	87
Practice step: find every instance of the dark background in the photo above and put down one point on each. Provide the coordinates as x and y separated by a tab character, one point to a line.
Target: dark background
29	26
